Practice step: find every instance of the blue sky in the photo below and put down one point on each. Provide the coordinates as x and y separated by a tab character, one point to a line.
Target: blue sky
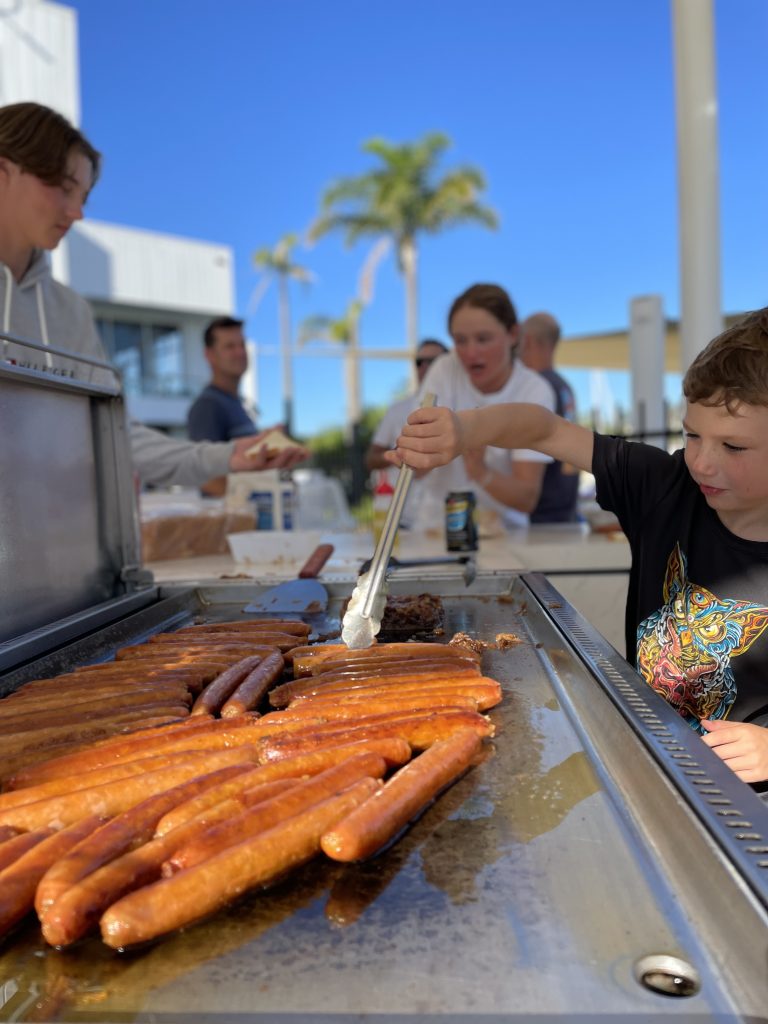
226	120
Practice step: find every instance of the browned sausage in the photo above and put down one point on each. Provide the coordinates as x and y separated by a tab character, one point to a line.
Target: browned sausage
250	692
487	692
270	812
189	895
315	562
215	694
378	821
310	685
78	909
194	734
112	798
19	880
14	847
252	625
420	730
129	828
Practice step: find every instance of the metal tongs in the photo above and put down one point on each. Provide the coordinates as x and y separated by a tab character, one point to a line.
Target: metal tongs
362	619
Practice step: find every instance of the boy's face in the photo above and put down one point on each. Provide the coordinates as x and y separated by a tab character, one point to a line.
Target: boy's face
40	214
727	455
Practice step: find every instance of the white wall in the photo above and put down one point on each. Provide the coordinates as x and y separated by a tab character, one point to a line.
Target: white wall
39	56
112	263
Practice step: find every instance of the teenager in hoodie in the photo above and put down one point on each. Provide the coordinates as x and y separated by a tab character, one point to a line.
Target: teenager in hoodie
47	170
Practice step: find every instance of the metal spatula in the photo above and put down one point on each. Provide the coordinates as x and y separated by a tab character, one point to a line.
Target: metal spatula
362	620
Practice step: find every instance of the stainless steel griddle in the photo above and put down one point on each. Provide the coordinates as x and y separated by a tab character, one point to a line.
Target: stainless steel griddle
601	863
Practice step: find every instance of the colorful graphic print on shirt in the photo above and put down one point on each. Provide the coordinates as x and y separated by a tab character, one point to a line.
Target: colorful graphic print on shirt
684	650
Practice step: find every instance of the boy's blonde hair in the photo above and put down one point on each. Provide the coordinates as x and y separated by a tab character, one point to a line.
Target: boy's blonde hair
733	368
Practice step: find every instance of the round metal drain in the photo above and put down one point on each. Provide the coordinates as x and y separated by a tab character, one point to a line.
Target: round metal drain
667	975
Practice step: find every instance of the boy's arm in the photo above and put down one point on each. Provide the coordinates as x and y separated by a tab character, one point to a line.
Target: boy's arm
433	437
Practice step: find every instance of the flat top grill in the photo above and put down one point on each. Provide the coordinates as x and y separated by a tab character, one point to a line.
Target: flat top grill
558	877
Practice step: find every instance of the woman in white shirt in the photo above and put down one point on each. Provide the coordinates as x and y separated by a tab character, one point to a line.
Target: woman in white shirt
483	369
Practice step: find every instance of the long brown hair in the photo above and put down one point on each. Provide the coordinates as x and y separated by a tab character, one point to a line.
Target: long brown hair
39	140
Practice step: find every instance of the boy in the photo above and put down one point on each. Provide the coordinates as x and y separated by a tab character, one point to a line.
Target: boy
697	524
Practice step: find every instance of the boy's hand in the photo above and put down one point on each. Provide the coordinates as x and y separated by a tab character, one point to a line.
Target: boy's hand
743	747
431	437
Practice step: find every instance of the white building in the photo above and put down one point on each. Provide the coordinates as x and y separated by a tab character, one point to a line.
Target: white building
152	294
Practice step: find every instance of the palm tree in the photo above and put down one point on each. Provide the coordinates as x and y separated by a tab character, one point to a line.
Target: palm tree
400	199
277	264
343	331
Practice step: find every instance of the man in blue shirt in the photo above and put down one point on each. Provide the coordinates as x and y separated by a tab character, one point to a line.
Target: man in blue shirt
218	413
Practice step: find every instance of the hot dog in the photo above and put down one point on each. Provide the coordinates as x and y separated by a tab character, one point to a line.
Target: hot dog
251	690
79	907
420	730
294	626
311	685
392	665
359	708
487	693
19	880
302	664
205	734
394	751
216	693
18	845
131	827
112	798
202	641
270	812
190	895
376	822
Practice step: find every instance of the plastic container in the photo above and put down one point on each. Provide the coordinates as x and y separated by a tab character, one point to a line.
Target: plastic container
273	501
320	502
383	493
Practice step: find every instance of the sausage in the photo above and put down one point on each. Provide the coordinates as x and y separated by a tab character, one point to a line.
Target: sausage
393	665
85	693
375	823
17	845
202	641
190	895
6	833
395	752
83	702
354	710
230	792
98	776
19	880
487	693
294	626
79	907
226	652
250	692
100	729
331	667
36	717
420	730
129	828
205	734
270	812
302	664
216	693
315	562
112	798
306	685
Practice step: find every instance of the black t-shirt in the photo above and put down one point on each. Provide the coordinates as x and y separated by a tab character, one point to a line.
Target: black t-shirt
697	607
216	415
560	486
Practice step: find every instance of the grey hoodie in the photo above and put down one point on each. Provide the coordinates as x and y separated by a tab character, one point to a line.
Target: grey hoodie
40	309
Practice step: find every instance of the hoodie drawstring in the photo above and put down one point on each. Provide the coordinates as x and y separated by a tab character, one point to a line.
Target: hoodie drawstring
43	324
7	309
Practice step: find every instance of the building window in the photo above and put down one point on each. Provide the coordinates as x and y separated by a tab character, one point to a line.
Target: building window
150	356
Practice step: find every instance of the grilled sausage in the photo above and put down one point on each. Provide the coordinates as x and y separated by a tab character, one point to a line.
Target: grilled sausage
250	692
190	895
380	819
